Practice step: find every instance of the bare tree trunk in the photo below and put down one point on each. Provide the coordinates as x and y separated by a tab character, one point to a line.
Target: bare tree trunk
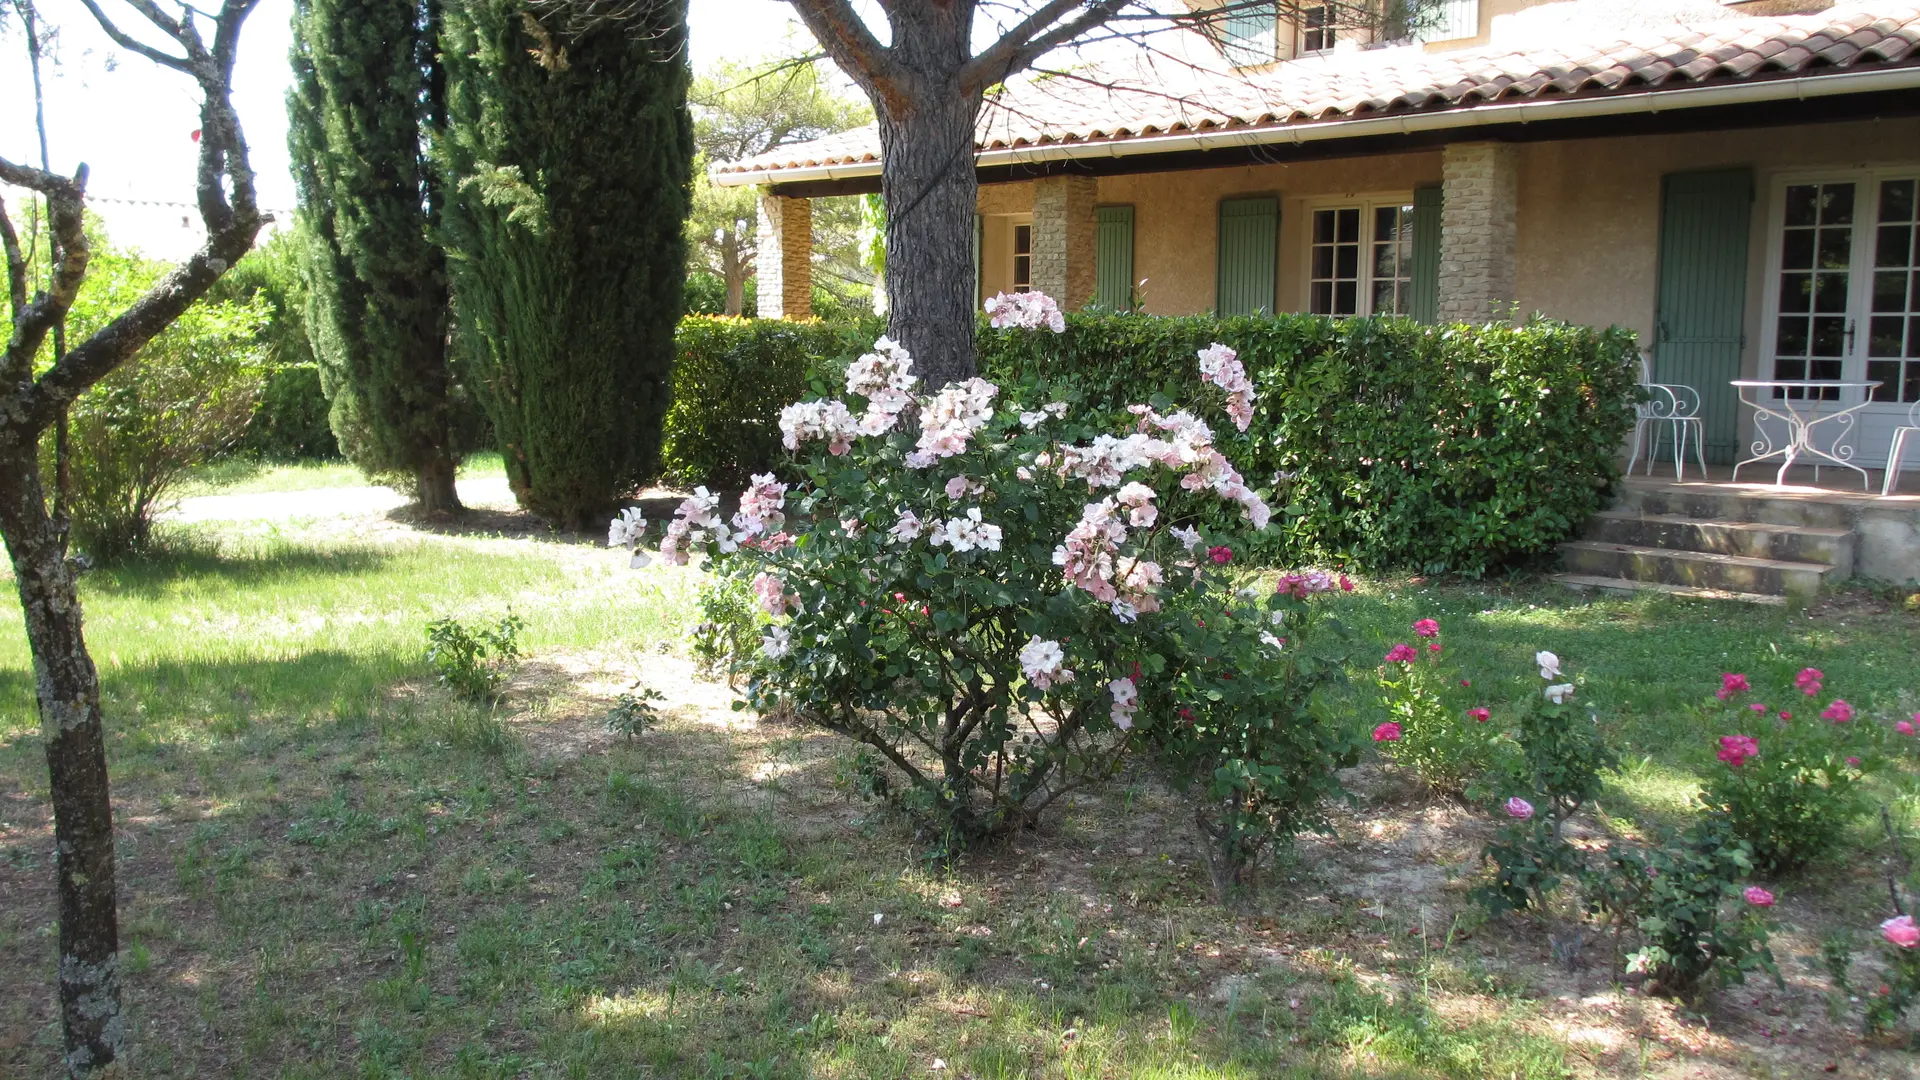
68	689
931	195
433	487
733	271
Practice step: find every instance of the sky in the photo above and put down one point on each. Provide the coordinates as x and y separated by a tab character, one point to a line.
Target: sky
132	121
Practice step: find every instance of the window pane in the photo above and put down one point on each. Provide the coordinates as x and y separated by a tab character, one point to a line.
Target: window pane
1829	337
1346	260
1836	204
1896	200
1887	374
1796	292
1320	302
1346	295
1385	298
1796	253
1893	246
1350	226
1801	200
1884	336
1322	261
1323	226
1836	248
1890	290
1830	292
1791	337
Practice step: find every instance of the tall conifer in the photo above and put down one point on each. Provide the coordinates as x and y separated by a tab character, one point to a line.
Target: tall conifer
568	155
367	91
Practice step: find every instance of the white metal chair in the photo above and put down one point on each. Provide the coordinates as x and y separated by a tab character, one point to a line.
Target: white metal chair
1676	406
1899	444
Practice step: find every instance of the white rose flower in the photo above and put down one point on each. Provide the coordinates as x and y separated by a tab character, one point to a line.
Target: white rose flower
1549	664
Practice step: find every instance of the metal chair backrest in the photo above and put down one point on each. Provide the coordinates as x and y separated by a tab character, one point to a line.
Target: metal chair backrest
1666	401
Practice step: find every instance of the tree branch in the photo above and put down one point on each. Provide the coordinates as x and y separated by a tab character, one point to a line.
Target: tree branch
851	45
65	199
1011	54
16	266
132	44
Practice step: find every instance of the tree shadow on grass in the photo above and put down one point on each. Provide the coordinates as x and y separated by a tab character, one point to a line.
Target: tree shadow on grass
185	558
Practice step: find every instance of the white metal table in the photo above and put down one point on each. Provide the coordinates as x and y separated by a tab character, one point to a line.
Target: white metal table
1758	394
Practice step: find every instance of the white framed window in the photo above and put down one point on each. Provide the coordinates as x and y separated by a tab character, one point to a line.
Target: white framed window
1841	297
1023	256
1360	257
1317	28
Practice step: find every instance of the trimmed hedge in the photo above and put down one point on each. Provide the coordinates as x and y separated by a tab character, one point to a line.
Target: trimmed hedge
1457	448
290	423
732	378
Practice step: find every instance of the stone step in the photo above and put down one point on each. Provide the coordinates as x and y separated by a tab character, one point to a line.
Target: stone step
1588	583
1732	504
1762	540
1697	569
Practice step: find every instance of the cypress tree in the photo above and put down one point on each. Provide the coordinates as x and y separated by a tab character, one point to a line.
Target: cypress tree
367	90
568	157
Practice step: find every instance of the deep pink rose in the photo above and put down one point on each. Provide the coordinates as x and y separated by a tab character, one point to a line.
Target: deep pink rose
1808	681
1853	762
1519	808
1346	583
1901	932
1387	732
1731	684
1221	555
1427	628
1785	715
1904	727
1839	712
1736	749
1402	654
1757	707
1466	682
1758	896
1479	715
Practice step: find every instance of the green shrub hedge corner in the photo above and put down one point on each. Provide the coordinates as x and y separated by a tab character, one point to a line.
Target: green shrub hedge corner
732	379
1457	448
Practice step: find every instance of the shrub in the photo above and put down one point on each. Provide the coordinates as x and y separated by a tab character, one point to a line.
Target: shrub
474	663
990	605
1442	735
1790	780
1557	771
1674	899
729	628
732	379
1900	952
1453	448
290	422
185	398
634	715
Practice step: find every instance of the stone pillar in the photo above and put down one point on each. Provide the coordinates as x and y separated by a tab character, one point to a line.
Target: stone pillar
1479	238
1063	239
783	266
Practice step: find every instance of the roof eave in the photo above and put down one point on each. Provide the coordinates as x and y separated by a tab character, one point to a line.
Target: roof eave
1745	91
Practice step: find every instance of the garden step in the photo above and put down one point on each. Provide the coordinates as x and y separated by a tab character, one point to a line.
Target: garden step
1699	569
1589	583
1720	504
1764	540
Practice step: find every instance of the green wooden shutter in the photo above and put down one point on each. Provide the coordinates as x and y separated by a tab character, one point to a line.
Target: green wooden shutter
1249	241
1424	304
1113	257
1705	219
979	225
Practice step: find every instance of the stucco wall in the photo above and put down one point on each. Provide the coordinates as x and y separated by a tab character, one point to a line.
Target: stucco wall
1590	211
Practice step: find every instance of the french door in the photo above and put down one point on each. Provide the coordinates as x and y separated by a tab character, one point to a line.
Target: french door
1844	265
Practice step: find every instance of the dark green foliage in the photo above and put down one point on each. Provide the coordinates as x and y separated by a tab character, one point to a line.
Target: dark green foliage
290	423
365	92
1452	448
474	663
707	294
568	158
732	379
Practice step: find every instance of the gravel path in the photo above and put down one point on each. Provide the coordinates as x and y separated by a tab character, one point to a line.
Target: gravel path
488	491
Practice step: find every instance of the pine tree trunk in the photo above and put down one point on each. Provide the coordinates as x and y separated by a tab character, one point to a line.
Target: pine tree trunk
733	270
68	690
931	195
433	487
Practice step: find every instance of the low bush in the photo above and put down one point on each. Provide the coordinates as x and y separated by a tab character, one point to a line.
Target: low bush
1435	726
1899	992
290	422
732	378
1451	448
1790	779
474	662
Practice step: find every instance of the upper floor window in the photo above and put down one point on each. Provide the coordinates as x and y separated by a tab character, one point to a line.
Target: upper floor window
1023	258
1317	28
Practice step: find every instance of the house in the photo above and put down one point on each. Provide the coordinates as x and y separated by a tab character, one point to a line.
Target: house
1738	183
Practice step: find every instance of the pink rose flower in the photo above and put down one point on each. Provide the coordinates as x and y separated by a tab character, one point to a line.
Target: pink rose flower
1839	712
1853	762
1785	715
1346	583
1466	682
1519	808
1757	707
1479	715
1387	732
1901	932
1736	749
1731	684
1808	681
1433	647
1221	555
1905	727
1427	628
1758	896
1402	654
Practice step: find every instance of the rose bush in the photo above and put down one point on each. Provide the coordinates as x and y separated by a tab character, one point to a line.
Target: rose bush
1442	733
1001	601
1791	770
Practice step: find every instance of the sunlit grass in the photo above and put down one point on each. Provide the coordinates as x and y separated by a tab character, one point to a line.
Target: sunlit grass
247	476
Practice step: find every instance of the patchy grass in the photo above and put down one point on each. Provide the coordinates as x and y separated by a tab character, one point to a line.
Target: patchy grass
333	868
249	476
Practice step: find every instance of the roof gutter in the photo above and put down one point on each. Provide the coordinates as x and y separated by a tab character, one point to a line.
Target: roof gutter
1799	87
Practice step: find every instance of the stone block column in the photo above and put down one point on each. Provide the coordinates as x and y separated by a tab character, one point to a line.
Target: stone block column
783	264
1063	239
1479	236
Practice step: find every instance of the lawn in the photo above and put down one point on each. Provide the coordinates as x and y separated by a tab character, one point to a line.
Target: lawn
332	867
246	476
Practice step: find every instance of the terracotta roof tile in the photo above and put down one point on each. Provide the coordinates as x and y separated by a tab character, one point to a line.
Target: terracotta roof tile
1147	96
